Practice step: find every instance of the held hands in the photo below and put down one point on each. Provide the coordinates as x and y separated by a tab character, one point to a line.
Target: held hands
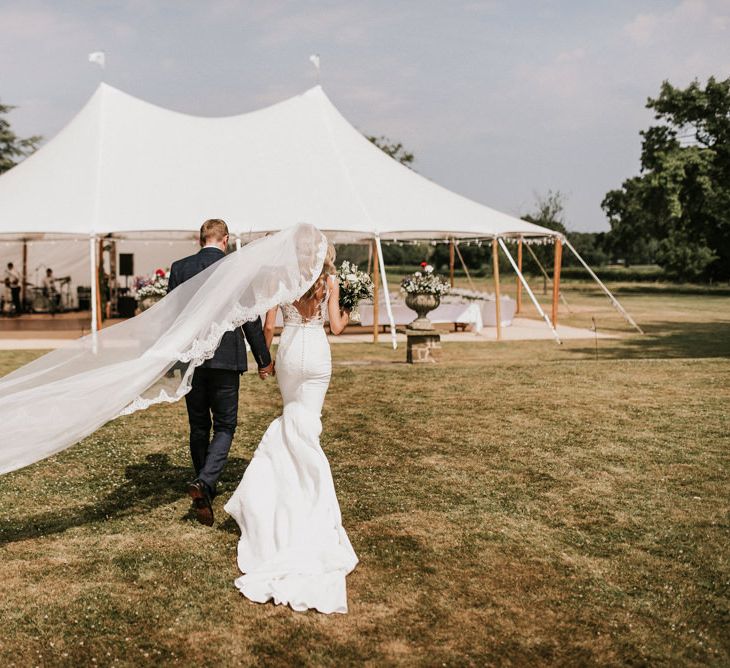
266	371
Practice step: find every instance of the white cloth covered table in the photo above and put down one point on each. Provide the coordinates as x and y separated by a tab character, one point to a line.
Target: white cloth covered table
477	313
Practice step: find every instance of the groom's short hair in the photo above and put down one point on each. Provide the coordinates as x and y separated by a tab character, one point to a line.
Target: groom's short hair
214	229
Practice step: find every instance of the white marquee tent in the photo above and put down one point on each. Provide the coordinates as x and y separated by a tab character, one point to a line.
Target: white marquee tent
126	168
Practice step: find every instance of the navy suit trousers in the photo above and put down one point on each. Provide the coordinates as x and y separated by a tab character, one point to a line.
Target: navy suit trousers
212	402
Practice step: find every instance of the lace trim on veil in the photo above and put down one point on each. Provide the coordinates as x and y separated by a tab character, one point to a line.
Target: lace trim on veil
201	350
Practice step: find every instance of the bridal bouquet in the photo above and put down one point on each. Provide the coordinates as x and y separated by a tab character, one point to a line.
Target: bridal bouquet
424	282
354	286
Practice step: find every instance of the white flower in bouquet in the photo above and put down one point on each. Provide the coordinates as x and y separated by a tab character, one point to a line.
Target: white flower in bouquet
426	283
355	285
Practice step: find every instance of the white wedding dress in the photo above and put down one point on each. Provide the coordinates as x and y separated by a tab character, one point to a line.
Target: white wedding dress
293	548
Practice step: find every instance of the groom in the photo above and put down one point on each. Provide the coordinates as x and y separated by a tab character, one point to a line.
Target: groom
213	398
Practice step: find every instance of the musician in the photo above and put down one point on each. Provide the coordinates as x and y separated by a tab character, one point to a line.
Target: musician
12	277
49	290
6	299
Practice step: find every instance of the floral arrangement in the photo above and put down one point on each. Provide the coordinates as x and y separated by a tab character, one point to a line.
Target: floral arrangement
355	285
424	282
156	286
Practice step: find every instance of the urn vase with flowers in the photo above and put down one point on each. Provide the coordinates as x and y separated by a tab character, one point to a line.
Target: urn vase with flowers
151	290
423	290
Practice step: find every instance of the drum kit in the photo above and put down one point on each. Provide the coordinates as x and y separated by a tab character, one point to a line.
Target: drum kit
49	300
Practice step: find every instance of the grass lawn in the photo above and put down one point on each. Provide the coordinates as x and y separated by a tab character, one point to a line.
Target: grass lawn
521	504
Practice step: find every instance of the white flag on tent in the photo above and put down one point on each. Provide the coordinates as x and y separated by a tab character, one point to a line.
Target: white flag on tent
314	58
98	57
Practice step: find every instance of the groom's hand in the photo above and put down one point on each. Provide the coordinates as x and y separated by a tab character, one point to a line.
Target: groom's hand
266	371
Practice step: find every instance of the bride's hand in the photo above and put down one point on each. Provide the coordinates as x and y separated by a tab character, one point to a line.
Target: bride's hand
265	371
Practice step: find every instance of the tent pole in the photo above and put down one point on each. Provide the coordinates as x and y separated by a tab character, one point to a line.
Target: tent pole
529	291
94	276
497	302
545	275
451	261
519	284
613	299
112	278
370	258
386	293
24	279
376	293
466	270
556	278
99	272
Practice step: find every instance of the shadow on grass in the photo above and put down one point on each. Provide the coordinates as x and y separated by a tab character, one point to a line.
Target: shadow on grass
150	484
667	340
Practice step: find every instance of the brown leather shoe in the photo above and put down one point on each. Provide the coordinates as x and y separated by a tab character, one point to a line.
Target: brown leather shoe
201	502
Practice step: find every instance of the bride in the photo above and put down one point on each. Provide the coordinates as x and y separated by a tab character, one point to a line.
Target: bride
293	548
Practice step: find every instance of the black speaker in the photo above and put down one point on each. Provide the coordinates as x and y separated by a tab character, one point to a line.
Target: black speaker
84	297
126	264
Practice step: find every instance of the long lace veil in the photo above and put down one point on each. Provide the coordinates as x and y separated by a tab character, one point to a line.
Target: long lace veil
61	397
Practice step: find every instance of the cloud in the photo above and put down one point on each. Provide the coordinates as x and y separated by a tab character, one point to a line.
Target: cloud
647	29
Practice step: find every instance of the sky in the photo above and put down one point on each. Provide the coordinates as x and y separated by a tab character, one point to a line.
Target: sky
500	101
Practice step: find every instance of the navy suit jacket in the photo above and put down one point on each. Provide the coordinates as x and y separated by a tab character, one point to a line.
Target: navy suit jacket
231	353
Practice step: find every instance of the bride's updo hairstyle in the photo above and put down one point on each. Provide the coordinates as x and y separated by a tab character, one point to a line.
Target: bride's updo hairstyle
328	269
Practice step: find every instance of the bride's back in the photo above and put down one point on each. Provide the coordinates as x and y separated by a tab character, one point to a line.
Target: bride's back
310	309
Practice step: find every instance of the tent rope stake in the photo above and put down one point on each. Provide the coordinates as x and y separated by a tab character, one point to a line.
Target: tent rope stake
613	299
529	291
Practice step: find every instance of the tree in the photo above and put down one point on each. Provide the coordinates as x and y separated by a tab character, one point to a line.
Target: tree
13	148
549	212
395	151
681	198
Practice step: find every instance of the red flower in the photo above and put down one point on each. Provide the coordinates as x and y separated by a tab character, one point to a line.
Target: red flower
160	272
423	264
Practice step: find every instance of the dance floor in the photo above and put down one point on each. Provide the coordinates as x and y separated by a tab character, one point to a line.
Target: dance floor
43	332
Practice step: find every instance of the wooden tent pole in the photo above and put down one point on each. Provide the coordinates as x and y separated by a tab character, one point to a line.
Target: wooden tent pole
519	282
99	269
497	309
93	283
111	305
556	279
546	277
376	293
24	279
451	262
